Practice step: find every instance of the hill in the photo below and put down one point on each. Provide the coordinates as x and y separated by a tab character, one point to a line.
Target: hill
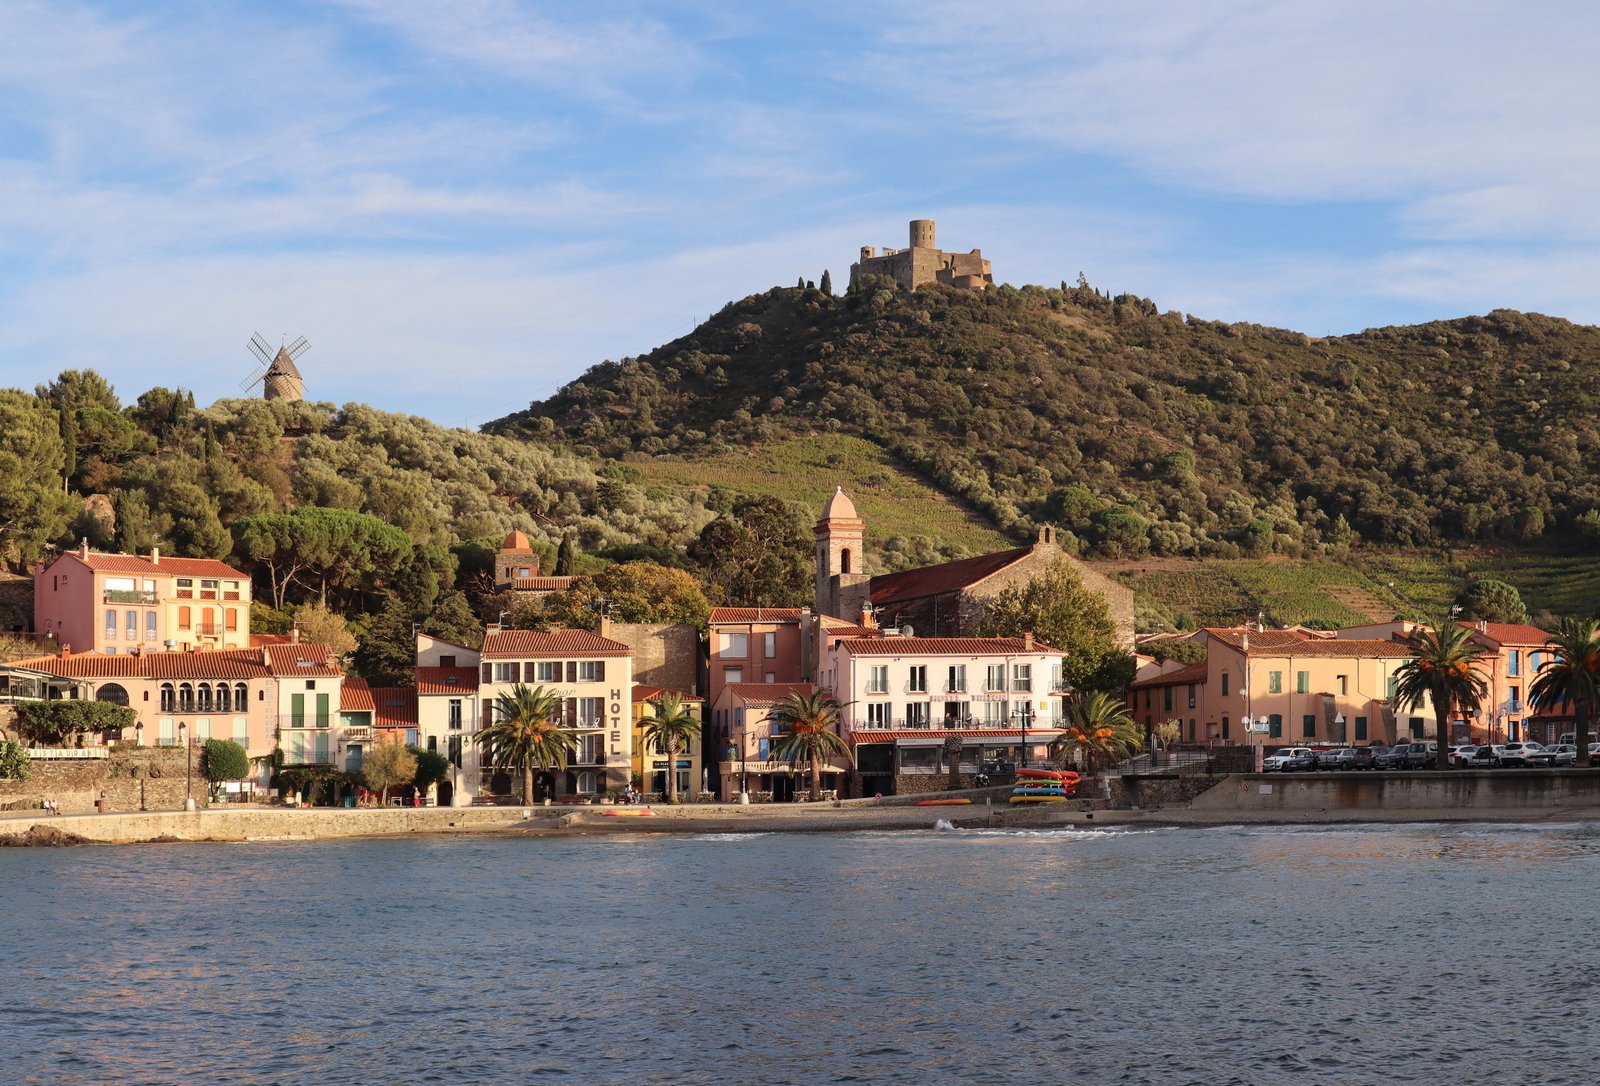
1138	432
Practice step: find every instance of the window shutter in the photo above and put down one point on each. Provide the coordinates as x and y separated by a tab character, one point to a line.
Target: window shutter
572	712
572	671
516	672
488	711
488	673
600	672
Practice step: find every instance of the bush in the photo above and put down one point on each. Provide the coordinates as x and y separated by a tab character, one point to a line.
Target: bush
223	760
50	723
15	765
432	767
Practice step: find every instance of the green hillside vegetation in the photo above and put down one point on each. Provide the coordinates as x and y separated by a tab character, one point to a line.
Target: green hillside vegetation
1138	432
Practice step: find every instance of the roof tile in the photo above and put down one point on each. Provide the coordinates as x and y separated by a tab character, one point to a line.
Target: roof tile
755	614
447	680
526	644
911	584
938	646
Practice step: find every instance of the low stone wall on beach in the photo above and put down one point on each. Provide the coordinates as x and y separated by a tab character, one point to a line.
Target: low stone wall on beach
270	823
1442	790
76	783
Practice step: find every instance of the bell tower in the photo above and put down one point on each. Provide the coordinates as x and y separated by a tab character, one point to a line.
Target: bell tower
841	539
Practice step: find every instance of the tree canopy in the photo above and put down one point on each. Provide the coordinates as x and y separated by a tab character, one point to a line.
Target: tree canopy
756	554
1061	612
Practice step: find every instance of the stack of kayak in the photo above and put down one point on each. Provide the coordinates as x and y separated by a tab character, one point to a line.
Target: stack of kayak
1044	786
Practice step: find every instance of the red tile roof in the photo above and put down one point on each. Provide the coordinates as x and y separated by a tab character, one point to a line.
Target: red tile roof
912	584
862	735
355	696
938	646
394	706
741	615
1511	633
1192	673
83	665
651	693
852	631
220	664
447	680
526	644
541	584
1260	640
301	658
167	567
765	695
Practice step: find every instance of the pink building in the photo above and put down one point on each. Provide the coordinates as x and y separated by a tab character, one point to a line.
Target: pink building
121	603
758	645
747	765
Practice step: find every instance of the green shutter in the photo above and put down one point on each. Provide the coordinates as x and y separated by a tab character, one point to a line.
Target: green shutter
322	710
1361	728
297	710
1302	682
1274	682
1309	724
1275	723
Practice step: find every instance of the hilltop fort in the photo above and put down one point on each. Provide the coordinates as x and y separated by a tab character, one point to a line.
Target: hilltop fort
924	263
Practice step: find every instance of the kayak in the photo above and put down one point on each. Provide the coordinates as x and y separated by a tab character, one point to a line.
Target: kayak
641	813
1049	774
1043	791
1040	799
943	802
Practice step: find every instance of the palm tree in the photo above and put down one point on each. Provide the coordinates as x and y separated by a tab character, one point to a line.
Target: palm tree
1444	668
812	723
527	735
670	729
1573	677
1100	726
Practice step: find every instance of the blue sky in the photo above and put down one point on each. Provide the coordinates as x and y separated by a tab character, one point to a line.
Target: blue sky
463	205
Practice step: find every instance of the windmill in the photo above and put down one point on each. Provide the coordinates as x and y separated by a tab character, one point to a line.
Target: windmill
277	374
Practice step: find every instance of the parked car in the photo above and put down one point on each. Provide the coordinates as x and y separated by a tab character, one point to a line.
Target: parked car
1516	754
1328	758
1279	762
1357	758
1421	755
1389	757
1304	762
1462	755
1483	757
1560	754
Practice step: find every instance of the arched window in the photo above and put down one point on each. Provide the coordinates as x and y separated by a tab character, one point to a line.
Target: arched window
185	698
203	700
112	693
224	698
586	783
844	560
168	704
241	696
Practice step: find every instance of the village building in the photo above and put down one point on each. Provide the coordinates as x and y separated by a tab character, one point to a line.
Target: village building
593	676
744	713
650	761
516	569
448	714
121	603
757	645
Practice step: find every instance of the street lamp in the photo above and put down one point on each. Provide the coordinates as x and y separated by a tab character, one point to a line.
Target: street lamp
188	773
1024	716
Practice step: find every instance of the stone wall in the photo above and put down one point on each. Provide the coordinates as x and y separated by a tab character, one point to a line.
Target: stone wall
243	823
75	784
1290	793
664	655
1118	597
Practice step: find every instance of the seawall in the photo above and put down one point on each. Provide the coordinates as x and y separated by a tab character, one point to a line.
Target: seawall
269	823
1456	793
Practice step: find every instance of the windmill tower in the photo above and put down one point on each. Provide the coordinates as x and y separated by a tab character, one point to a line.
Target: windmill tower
277	374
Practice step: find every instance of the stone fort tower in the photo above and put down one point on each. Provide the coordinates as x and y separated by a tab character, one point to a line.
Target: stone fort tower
923	263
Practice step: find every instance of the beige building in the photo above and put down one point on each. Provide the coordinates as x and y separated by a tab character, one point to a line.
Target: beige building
449	714
593	676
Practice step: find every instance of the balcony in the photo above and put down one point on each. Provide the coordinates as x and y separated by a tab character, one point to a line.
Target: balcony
128	595
310	757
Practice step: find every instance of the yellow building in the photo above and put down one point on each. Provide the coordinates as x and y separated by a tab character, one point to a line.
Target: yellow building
650	765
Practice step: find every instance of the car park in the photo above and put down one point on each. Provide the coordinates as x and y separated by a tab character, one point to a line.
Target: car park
1516	754
1352	758
1278	762
1421	755
1562	754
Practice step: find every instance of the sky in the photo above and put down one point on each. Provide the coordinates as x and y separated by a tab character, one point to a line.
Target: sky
462	206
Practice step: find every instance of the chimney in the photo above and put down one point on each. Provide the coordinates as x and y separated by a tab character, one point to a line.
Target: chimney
155	556
83	549
868	619
1047	536
1483	625
1027	641
294	635
605	626
66	650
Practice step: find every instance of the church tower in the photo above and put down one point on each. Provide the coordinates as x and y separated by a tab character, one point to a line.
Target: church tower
841	544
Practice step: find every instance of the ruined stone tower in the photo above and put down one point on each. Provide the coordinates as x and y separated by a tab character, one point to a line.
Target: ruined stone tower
924	263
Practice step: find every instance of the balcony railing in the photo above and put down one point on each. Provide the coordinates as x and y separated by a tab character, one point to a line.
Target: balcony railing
903	724
128	595
310	757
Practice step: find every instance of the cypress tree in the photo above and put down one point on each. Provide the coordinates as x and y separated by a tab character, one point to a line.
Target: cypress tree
566	557
827	283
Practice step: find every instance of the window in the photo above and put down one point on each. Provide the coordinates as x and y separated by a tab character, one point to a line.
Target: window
1191	695
917	714
878	679
770	677
186	588
1224	727
1022	676
591	712
233	619
547	671
1361	728
185	698
591	671
995	680
917	679
1302	682
1166	699
203	698
957	714
877	714
185	619
150	626
131	625
507	673
733	675
590	750
769	645
1393	684
1275	726
224	698
1516	698
1192	726
956	680
1224	694
241	696
1535	661
586	785
111	624
844	560
1308	725
1274	682
733	644
1343	682
454	748
1416	727
1514	663
454	714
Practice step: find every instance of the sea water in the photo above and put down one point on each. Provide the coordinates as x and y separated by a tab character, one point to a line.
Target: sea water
1429	954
